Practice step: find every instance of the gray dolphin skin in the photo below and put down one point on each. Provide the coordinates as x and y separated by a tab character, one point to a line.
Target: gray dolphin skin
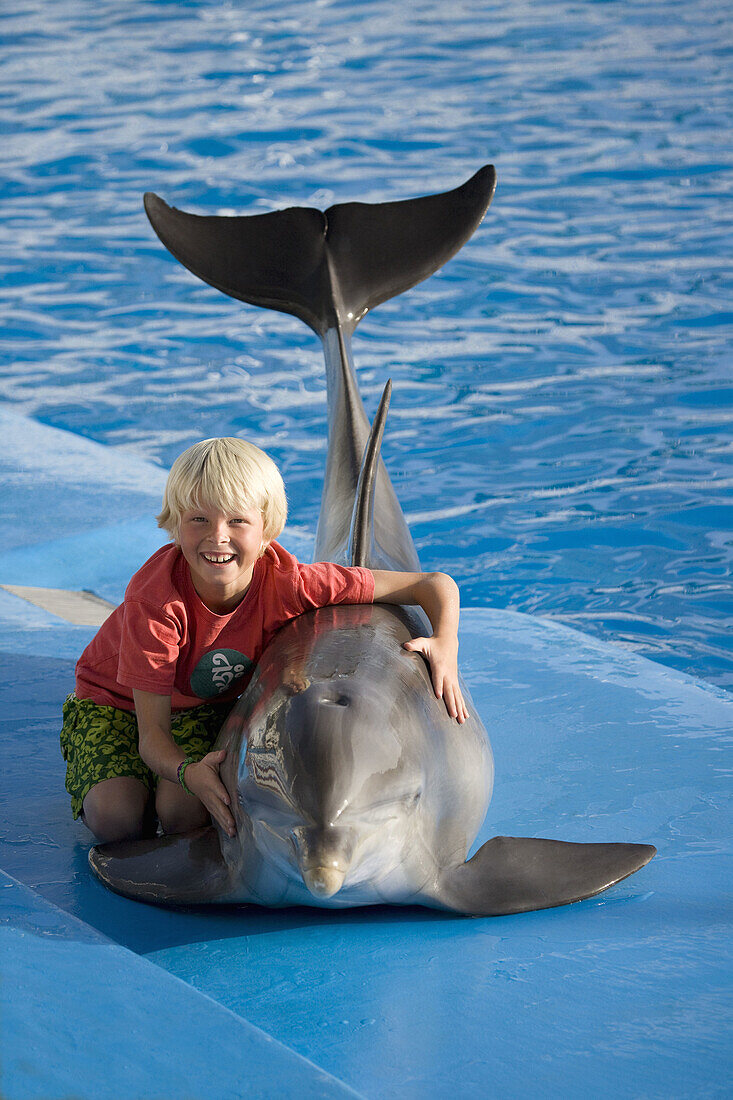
350	784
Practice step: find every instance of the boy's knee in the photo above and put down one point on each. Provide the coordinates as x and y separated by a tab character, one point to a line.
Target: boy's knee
177	811
114	823
116	810
184	822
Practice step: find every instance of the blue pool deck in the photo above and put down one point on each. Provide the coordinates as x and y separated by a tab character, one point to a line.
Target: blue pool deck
625	995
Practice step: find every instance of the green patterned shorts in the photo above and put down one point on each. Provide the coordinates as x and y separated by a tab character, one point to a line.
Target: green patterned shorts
99	742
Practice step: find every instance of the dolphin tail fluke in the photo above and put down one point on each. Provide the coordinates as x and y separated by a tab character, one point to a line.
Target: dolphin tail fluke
328	268
517	875
179	869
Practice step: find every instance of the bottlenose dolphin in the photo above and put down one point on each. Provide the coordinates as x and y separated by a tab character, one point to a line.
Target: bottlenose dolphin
350	784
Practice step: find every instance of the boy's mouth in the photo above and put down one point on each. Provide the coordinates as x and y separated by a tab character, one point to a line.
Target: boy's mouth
218	559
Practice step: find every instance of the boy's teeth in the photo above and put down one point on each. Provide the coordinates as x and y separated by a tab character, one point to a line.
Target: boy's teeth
219	558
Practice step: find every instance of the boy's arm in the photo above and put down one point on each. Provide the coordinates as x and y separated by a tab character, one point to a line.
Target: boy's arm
437	594
162	755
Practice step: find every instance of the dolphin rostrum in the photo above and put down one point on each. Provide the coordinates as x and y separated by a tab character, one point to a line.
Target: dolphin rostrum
350	784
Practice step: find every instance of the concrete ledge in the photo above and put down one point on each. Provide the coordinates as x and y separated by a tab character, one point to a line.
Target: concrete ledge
80	608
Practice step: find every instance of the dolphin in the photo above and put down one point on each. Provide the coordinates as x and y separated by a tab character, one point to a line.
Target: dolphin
349	782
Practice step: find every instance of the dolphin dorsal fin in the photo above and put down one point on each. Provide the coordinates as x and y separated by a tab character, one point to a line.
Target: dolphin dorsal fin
361	532
328	268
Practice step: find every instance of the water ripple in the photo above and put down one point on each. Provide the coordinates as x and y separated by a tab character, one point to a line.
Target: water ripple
562	388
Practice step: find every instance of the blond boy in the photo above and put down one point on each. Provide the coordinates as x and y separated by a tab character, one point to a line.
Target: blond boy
157	680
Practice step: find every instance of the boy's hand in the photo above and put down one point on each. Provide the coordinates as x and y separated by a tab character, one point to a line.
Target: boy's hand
442	656
438	596
202	779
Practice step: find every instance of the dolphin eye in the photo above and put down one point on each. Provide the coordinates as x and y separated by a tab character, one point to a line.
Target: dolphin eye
332	699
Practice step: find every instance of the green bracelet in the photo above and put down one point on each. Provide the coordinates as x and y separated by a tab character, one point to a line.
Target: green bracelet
182	770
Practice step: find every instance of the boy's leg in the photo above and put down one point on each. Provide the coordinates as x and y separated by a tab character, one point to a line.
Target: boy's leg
177	811
109	784
116	809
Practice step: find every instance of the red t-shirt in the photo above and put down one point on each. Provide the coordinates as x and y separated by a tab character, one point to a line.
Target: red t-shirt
164	639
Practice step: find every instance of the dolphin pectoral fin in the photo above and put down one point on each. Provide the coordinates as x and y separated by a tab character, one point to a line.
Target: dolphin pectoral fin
518	874
179	869
328	268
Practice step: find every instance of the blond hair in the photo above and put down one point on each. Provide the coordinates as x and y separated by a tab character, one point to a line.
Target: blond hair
229	474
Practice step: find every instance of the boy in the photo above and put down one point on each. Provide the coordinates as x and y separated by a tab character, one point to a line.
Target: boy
154	685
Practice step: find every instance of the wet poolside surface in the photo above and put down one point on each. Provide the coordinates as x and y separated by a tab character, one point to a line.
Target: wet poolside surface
559	439
622	995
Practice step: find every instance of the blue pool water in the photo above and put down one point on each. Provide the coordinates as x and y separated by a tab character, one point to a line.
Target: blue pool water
560	427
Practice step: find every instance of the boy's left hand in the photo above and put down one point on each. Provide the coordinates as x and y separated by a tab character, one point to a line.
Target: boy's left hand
442	656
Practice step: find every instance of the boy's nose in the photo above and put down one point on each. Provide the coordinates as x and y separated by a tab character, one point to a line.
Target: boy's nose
220	531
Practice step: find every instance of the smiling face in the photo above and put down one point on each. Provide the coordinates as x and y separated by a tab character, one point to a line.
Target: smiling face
221	550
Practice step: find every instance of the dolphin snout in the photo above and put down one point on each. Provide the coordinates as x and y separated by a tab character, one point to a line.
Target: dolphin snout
324	882
324	857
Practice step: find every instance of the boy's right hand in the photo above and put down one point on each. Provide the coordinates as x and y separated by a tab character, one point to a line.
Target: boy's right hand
202	779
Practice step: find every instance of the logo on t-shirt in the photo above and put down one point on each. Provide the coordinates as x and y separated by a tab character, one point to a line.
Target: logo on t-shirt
217	671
